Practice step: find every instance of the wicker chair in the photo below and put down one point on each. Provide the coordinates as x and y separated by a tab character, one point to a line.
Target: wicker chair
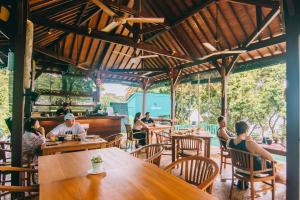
150	153
197	170
26	190
189	145
114	140
243	169
130	137
224	155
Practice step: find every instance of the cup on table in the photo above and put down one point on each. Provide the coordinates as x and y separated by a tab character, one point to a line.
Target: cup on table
68	137
52	138
61	138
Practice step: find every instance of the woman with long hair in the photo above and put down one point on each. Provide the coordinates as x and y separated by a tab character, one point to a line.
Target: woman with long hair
138	125
33	138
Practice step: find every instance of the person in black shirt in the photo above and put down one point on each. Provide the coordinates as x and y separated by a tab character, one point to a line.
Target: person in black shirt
64	110
147	119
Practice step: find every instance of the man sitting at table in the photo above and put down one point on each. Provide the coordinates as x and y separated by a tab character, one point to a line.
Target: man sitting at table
64	110
68	127
223	133
147	119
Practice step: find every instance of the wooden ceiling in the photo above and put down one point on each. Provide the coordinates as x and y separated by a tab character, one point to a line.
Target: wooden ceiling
69	31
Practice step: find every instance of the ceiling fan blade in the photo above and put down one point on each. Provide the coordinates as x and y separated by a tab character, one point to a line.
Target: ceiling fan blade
209	46
110	27
124	54
145	20
148	56
105	9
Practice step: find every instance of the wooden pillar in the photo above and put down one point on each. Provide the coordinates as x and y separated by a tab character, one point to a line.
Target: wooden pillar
145	86
292	16
173	101
98	94
223	91
174	79
20	8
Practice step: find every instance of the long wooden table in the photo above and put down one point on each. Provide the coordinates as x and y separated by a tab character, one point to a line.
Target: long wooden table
64	176
277	149
73	146
201	134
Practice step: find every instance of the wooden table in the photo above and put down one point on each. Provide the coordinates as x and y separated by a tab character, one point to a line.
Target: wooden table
277	149
73	146
64	176
201	134
151	129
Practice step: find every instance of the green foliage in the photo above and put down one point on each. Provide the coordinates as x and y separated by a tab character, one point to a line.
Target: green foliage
4	108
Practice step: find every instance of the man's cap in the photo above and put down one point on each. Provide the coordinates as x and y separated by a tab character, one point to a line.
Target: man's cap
69	116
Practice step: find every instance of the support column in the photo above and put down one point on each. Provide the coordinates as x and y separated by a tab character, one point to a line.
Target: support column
223	92
174	79
292	16
145	86
20	8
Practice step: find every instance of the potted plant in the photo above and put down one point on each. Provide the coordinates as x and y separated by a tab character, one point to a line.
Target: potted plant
96	163
269	141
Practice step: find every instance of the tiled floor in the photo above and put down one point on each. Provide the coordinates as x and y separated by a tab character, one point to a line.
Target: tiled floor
222	189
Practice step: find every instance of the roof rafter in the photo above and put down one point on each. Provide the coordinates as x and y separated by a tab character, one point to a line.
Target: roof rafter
109	38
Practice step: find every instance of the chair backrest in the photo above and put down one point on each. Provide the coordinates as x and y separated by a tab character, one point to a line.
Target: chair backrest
150	153
4	150
245	161
189	142
222	142
162	137
114	140
197	170
129	131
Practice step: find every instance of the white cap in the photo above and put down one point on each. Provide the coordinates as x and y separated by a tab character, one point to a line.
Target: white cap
69	116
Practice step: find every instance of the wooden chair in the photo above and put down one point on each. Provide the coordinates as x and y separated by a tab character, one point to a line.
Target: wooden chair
243	169
164	138
5	152
197	170
114	140
189	145
224	155
130	137
26	190
150	153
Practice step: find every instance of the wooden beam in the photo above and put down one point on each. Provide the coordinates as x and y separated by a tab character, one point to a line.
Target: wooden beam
117	39
19	37
182	18
273	13
137	70
263	3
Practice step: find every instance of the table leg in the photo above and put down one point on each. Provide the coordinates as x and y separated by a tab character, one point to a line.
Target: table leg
173	149
208	148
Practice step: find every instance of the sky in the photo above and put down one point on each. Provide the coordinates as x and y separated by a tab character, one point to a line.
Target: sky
118	89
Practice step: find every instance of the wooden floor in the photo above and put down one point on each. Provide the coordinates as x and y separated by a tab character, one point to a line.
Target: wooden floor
222	189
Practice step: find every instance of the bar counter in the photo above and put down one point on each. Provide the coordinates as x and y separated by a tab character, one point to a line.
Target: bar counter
98	125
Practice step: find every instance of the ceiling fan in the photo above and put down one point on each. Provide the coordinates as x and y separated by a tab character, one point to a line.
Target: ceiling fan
214	49
119	20
135	58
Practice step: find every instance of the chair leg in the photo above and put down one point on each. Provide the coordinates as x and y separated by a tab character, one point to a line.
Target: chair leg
126	145
231	188
221	165
131	145
252	190
273	189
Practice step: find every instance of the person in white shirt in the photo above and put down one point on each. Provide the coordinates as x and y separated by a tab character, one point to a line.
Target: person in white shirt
68	127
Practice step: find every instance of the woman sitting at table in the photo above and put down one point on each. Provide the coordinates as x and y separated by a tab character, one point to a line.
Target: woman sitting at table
137	127
33	139
244	143
223	133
